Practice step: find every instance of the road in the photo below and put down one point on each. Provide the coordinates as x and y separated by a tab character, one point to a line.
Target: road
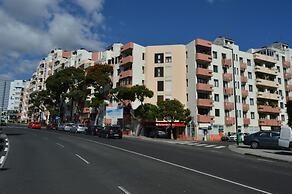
42	161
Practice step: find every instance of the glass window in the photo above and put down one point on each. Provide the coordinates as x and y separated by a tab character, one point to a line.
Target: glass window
279	80
216	83
249	75
251	101
252	115
248	62
217	112
215	68
283	117
216	97
214	54
160	85
250	88
159	98
168	59
158	58
265	134
158	72
281	104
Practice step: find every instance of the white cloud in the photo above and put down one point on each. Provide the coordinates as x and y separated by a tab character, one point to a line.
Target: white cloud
34	27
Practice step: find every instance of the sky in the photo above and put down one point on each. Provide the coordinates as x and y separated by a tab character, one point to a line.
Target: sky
29	29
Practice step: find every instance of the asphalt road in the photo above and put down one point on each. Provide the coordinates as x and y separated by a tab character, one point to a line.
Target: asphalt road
41	161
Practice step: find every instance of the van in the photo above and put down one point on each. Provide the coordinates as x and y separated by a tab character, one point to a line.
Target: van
285	140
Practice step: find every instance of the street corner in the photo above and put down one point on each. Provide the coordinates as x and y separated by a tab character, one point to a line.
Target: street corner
4	149
271	154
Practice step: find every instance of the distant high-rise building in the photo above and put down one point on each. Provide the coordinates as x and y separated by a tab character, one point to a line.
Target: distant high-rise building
4	94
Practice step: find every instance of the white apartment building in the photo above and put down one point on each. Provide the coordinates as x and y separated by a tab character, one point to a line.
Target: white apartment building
15	93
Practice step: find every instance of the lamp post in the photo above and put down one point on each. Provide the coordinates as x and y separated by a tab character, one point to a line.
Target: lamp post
234	93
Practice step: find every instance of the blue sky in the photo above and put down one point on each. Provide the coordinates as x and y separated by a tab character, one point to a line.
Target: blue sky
29	29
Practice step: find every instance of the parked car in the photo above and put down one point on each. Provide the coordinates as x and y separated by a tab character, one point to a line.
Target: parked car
68	126
78	128
158	134
52	126
93	130
285	140
263	139
3	122
36	125
29	124
111	132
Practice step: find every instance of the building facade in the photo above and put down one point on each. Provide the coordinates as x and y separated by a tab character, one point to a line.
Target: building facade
4	94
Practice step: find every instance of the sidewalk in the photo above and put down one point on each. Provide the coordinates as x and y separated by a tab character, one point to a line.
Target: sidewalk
280	155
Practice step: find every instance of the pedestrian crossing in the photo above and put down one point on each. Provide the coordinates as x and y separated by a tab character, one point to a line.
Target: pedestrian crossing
188	143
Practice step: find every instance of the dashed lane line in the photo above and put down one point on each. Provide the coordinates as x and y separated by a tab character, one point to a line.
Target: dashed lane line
218	147
82	159
124	190
210	146
60	145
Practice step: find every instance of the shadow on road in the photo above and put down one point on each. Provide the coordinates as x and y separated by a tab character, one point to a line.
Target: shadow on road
4	169
284	153
14	134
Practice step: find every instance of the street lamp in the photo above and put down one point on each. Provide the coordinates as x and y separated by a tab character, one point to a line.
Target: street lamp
234	93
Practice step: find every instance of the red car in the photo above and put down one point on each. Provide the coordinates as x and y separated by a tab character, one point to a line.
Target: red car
36	125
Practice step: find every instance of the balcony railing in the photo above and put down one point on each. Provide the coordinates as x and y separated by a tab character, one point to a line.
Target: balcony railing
265	58
286	64
204	43
288	87
227	76
226	62
243	66
228	105
205	119
229	120
244	93
125	74
204	58
228	91
287	76
267	83
267	95
271	71
126	60
204	72
243	79
246	121
245	107
289	98
205	103
127	46
268	109
204	87
270	122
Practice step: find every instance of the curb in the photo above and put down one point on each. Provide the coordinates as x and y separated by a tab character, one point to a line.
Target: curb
230	147
5	152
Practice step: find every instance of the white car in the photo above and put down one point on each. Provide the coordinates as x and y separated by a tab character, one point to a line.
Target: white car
68	126
285	140
79	128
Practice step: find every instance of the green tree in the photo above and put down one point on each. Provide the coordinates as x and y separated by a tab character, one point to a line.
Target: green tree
171	111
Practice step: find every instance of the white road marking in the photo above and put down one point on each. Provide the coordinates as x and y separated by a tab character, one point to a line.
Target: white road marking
203	144
60	145
209	146
180	166
2	159
218	147
6	140
82	159
124	190
192	144
6	149
6	144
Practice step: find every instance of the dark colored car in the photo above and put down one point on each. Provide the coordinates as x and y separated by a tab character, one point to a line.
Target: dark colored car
93	130
29	125
158	134
263	139
52	126
111	132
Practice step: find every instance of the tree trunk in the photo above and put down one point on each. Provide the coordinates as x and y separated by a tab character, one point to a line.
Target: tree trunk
139	127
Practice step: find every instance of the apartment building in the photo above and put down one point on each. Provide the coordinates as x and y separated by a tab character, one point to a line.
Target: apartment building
4	94
15	94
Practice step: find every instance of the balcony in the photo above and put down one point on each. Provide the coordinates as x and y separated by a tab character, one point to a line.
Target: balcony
228	105
66	54
226	62
205	103
266	83
204	43
244	93
128	73
243	66
204	87
288	87
269	122
228	91
126	60
265	58
227	76
287	76
205	119
269	96
286	64
289	98
268	109
245	107
204	58
204	72
229	120
127	46
270	71
243	79
246	121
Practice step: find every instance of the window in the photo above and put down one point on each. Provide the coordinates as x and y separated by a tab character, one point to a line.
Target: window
281	104
252	115
216	83
158	58
143	56
216	97
223	55
159	98
277	57
251	101
143	82
280	92
160	85
217	112
278	68
279	80
283	117
168	59
265	134
250	88
248	62
158	72
143	69
249	75
214	54
187	81
187	97
215	68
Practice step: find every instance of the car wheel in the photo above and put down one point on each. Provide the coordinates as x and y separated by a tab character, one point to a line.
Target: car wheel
254	145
